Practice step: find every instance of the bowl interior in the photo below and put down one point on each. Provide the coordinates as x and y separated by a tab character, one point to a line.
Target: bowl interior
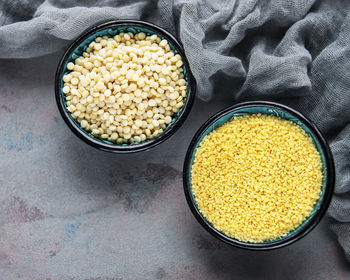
110	31
270	111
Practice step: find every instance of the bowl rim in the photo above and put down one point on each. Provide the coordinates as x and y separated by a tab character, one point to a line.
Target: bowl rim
150	143
318	215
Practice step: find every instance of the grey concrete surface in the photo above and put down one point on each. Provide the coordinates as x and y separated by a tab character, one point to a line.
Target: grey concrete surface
69	211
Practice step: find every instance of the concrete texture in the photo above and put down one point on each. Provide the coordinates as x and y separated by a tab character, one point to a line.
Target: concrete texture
69	211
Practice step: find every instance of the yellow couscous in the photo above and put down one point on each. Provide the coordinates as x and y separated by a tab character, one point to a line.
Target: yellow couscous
257	177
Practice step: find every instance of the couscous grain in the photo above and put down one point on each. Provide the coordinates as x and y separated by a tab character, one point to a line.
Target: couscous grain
125	88
256	177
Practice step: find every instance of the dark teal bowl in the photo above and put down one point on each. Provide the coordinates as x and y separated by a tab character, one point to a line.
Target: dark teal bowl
112	28
284	112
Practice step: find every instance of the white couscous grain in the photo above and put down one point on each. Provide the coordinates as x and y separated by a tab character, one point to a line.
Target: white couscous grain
125	88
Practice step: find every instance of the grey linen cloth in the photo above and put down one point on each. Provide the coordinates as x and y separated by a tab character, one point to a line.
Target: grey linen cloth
296	52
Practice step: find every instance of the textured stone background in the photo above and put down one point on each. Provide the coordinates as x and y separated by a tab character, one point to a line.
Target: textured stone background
68	211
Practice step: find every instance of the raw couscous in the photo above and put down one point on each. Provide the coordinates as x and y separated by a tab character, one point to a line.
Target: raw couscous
257	177
125	88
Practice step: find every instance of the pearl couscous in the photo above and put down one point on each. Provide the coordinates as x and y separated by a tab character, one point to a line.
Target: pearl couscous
257	177
125	88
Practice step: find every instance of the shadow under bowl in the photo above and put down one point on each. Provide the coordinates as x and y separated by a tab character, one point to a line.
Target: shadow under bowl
111	29
284	112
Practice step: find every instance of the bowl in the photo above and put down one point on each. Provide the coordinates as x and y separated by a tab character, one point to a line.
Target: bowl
112	28
284	112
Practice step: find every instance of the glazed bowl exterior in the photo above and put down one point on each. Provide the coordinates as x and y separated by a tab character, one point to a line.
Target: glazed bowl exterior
112	28
284	112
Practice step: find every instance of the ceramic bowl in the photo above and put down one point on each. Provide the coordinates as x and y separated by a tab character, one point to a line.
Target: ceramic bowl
111	29
284	112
